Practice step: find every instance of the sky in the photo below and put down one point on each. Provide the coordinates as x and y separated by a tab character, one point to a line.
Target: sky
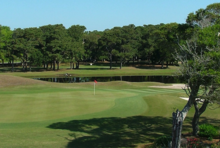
96	14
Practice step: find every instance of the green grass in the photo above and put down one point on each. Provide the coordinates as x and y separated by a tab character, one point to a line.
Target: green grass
93	70
121	114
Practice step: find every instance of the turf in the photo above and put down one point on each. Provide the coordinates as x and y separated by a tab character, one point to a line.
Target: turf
90	71
120	114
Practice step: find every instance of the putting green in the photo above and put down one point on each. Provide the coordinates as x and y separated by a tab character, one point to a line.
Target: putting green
34	103
39	106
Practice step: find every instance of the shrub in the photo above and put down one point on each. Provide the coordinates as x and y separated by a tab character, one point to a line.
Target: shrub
162	141
207	130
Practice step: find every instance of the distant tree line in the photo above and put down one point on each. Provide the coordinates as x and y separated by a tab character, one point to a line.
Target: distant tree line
50	45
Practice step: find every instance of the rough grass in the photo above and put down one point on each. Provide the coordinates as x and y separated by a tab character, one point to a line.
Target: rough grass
121	114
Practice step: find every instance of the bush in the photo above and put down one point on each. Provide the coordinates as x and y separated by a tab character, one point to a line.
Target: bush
162	141
207	130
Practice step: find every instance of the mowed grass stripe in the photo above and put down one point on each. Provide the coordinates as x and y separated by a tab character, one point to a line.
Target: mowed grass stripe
154	91
124	107
48	106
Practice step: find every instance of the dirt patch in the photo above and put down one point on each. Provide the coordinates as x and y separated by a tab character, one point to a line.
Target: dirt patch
6	81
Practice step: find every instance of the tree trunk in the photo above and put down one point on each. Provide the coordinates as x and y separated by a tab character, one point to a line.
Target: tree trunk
46	65
167	64
71	65
78	65
179	117
54	64
110	57
12	68
26	63
195	124
30	66
177	128
198	112
3	62
58	65
120	64
162	64
23	65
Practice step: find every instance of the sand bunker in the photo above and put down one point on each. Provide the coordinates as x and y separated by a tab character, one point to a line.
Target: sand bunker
173	86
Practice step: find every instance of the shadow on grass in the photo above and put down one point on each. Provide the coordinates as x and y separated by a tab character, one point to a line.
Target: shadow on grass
150	67
19	69
120	132
95	69
114	132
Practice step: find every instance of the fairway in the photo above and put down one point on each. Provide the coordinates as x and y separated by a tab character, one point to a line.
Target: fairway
44	114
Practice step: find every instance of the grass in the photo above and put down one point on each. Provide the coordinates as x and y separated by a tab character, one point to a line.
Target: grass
90	71
121	114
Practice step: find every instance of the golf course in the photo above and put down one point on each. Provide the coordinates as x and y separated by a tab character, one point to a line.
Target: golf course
40	114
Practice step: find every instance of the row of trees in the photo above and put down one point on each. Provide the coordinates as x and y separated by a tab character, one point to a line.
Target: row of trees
45	45
52	44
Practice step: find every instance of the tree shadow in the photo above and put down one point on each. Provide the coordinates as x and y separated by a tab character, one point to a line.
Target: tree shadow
114	132
107	68
150	67
120	132
20	69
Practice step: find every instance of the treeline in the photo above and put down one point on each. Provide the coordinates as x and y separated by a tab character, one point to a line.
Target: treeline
50	45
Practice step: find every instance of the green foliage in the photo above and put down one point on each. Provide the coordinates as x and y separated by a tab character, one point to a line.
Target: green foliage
36	58
205	17
209	36
208	130
162	141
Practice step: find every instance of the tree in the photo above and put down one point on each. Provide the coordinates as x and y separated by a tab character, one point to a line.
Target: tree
201	73
5	37
208	37
126	47
108	42
92	51
76	44
54	43
36	58
205	17
11	48
146	41
164	43
29	39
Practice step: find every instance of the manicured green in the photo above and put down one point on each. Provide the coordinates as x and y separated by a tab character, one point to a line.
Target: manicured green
120	114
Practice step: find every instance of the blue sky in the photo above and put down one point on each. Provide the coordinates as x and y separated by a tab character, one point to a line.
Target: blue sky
96	14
